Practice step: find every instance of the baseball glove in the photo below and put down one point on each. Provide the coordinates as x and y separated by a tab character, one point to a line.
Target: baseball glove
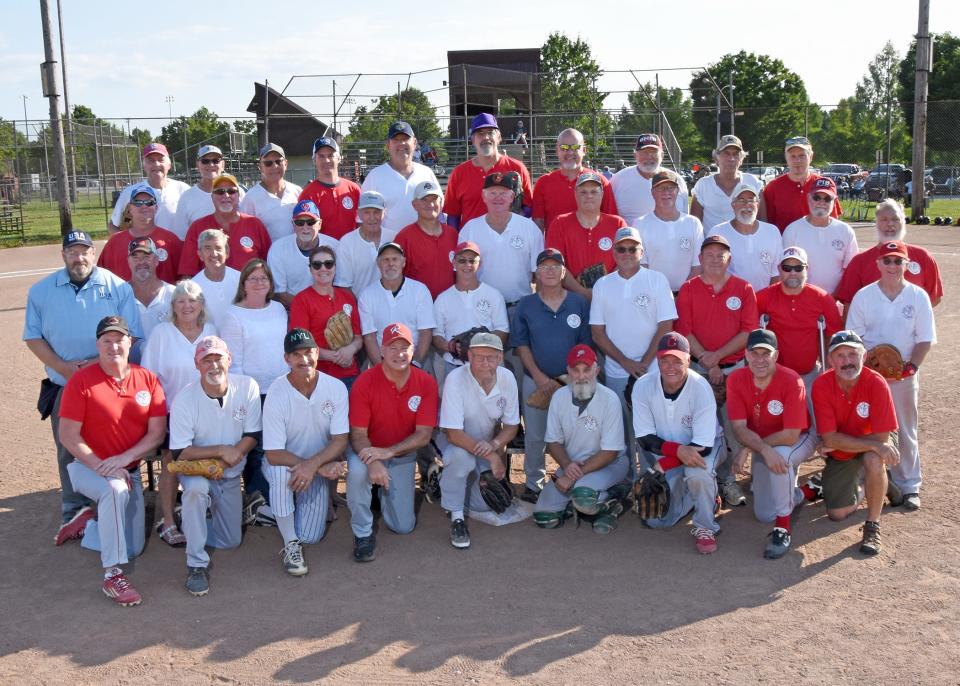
886	360
592	274
339	331
462	341
540	399
494	493
652	495
210	468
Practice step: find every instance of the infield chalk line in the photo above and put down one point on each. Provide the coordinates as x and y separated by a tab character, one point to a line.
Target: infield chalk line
27	272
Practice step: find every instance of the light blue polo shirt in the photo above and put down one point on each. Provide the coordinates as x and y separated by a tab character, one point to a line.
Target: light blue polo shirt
67	318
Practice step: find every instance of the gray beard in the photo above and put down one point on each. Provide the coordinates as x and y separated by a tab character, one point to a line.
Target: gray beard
583	391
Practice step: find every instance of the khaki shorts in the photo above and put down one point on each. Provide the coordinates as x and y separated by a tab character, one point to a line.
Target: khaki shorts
841	481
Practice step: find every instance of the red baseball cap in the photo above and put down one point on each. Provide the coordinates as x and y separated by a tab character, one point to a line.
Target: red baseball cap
581	353
673	343
159	148
897	248
824	185
464	246
396	332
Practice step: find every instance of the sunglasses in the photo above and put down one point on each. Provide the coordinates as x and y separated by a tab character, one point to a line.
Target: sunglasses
820	197
225	191
792	267
467	260
304	222
323	264
625	249
569	146
893	260
270	163
143	203
207	160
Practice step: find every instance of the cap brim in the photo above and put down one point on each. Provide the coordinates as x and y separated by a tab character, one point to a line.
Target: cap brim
768	346
676	353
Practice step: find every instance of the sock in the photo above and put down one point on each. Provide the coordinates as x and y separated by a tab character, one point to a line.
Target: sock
809	493
783	522
112	572
455	515
288	527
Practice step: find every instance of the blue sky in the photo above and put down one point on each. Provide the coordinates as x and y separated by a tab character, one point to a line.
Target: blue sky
124	60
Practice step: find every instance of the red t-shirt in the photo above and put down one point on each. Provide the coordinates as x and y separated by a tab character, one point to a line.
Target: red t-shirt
922	270
786	200
464	196
868	409
310	310
794	319
115	252
114	418
554	194
247	238
398	412
337	205
582	247
714	318
429	258
781	405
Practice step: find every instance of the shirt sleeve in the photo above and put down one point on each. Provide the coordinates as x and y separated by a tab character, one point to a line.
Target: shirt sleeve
33	319
299	312
73	400
499	315
749	316
519	330
279	273
274	425
189	259
609	202
596	304
554	432
340	422
697	241
526	185
425	318
127	308
684	305
536	240
704	417
429	401
795	414
539	206
926	331
849	281
643	421
855	314
451	201
231	331
852	249
611	430
360	401
367	322
253	421
183	421
736	401
666	307
823	406
451	406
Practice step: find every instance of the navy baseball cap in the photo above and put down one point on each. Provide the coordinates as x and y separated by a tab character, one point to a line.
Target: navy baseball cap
715	240
77	238
297	339
325	142
648	140
762	338
551	254
509	180
394	246
399	127
673	343
845	338
113	322
306	207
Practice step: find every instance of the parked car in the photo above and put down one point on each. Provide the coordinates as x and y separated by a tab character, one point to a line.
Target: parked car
765	174
835	171
946	180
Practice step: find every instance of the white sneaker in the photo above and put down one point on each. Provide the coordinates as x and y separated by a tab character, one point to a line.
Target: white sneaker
293	559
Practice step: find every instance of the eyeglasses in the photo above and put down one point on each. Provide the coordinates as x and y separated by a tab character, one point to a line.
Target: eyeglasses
820	197
270	163
304	222
323	264
627	249
143	203
550	267
208	160
746	201
467	260
226	191
259	279
893	260
792	267
570	146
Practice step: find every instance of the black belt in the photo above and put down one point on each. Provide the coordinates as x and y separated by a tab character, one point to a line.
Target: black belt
722	366
513	304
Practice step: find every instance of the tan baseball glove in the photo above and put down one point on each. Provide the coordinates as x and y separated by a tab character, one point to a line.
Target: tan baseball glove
211	468
339	331
540	399
885	359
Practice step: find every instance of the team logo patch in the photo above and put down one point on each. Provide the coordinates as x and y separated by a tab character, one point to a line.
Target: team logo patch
163	316
347	309
484	306
605	243
685	244
142	398
450	257
766	257
517	242
908	312
246	242
838	244
590	423
686	421
863	410
501	403
239	414
733	303
347	202
642	301
913	267
414	402
775	407
573	321
328	408
162	254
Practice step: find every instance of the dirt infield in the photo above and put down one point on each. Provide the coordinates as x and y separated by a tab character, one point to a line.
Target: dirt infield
557	607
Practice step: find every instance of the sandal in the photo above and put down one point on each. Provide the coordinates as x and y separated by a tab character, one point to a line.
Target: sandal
171	535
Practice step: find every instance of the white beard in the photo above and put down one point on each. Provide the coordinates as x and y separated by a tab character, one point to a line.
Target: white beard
583	391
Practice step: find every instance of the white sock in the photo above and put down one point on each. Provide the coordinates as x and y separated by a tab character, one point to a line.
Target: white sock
455	515
111	572
288	527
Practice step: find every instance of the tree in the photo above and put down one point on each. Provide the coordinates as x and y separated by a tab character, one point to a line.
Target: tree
371	125
943	118
10	141
141	136
184	135
678	110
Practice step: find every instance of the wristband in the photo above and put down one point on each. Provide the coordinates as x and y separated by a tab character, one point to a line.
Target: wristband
668	463
909	369
670	449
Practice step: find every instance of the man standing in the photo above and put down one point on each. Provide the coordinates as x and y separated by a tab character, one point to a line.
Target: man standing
337	198
288	258
305	428
357	253
428	243
112	415
465	199
830	242
156	166
631	185
786	196
754	245
393	412
272	199
218	282
197	202
554	193
63	309
855	417
480	415
767	408
712	194
215	418
397	178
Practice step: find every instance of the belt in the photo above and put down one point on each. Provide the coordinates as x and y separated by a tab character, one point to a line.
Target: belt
513	304
728	365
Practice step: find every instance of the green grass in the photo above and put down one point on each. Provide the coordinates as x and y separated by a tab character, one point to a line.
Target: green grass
864	211
41	220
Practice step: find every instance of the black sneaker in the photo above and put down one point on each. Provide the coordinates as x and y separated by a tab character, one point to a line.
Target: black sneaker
459	534
529	495
911	501
251	503
779	544
871	538
363	548
198	580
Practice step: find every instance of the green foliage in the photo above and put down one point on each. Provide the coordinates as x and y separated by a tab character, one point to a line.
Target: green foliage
10	140
203	127
943	121
642	117
247	126
141	136
370	125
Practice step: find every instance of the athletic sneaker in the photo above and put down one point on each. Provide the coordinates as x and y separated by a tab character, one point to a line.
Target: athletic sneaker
459	534
363	548
894	494
871	538
121	591
431	484
529	495
911	501
75	527
264	517
293	559
779	544
732	494
198	580
706	543
251	504
815	485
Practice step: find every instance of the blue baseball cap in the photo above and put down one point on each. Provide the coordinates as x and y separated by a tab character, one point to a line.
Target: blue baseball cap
398	127
484	120
143	188
77	238
307	207
325	142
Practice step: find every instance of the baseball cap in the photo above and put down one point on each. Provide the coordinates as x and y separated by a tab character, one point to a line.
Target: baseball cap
271	147
425	188
744	187
794	253
77	238
210	345
143	188
648	140
155	148
296	339
400	127
464	246
762	338
372	199
509	180
306	207
205	150
897	248
846	337
626	233
665	176
396	332
222	179
484	120
729	141
391	244
113	322
551	254
486	340
673	343
581	353
142	244
826	185
325	142
797	142
715	240
589	177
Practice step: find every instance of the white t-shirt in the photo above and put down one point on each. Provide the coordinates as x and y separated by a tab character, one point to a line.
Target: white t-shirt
169	198
290	267
631	309
275	213
397	191
255	341
829	250
357	261
197	420
457	311
218	295
583	434
467	407
903	322
157	311
691	418
508	259
169	355
194	203
412	306
754	257
717	207
301	425
634	199
671	248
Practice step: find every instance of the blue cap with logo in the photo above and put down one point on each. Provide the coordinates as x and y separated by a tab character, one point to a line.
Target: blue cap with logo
77	238
325	142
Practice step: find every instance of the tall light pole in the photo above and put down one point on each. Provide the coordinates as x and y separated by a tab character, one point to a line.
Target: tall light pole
48	73
71	188
26	122
169	100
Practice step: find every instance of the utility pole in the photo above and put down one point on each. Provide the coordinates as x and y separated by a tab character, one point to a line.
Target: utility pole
169	100
26	122
48	75
924	61
71	186
730	84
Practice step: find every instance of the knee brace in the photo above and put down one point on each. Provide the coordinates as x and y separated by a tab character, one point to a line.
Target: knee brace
585	500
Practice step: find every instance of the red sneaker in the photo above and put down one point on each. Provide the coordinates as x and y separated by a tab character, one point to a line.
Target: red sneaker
706	543
118	588
75	527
